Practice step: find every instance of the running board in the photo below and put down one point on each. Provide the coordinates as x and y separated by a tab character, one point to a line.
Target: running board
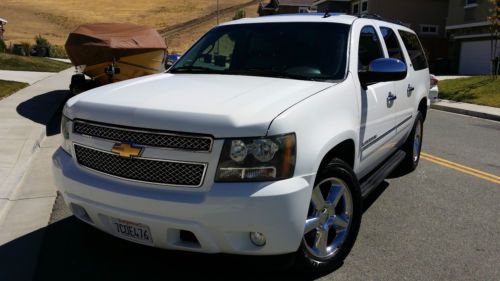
376	178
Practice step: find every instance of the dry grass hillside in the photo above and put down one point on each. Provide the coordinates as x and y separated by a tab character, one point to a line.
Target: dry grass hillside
54	19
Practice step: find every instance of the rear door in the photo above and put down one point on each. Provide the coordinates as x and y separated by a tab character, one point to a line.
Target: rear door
403	89
416	84
377	112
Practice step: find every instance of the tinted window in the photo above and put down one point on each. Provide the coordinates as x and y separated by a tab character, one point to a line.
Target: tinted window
369	48
414	49
392	43
309	51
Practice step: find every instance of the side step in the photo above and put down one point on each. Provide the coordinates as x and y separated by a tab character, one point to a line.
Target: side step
369	183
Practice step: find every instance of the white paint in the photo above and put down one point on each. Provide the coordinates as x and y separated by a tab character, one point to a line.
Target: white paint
221	215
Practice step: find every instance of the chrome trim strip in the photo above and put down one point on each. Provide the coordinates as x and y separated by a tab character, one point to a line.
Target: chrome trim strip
202	180
146	132
366	146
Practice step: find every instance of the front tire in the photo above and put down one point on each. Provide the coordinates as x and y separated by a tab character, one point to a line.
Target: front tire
333	220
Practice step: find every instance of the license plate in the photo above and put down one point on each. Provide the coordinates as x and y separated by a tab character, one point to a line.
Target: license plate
136	232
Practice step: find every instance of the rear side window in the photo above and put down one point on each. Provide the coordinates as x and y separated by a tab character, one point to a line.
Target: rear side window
369	48
414	49
392	43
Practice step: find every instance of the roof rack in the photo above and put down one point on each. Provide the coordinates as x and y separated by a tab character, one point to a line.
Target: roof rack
378	17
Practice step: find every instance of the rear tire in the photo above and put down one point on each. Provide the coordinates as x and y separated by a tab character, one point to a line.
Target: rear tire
333	220
413	146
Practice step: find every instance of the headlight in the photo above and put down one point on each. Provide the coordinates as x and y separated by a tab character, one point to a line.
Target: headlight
65	128
257	159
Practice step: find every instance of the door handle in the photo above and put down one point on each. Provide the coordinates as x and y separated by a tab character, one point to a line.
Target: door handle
391	97
410	90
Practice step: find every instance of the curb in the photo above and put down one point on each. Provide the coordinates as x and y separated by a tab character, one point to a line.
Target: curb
468	112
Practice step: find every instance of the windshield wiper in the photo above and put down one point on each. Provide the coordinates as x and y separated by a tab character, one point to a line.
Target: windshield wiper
194	69
274	74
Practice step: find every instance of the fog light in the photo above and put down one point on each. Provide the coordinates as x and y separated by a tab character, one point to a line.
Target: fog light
258	239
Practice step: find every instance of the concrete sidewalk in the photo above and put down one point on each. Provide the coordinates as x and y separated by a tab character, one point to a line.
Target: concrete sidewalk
481	111
27	192
29	77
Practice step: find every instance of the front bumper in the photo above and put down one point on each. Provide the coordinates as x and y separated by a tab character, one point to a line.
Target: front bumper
221	217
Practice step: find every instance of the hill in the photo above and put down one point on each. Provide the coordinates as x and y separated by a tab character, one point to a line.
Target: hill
54	19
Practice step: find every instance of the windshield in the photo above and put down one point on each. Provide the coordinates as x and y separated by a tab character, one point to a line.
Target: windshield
307	51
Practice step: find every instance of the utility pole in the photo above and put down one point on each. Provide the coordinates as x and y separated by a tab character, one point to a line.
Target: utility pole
217	12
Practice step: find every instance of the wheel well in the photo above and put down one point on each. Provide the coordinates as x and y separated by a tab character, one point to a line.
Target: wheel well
422	107
343	150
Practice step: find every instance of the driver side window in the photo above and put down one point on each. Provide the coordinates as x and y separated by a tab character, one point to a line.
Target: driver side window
369	48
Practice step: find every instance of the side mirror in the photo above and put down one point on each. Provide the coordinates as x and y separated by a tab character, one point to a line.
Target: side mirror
383	70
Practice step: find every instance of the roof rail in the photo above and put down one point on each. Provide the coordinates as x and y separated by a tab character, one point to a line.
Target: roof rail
378	17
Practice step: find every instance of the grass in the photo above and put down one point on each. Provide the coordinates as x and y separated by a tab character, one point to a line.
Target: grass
7	88
481	90
13	62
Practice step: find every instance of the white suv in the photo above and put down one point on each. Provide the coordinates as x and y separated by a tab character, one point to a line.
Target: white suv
262	139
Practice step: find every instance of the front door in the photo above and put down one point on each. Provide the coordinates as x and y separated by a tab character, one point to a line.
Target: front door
377	129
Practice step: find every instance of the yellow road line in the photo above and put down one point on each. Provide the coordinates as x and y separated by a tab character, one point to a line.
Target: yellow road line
461	168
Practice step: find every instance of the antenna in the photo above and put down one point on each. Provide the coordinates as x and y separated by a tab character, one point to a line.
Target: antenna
327	14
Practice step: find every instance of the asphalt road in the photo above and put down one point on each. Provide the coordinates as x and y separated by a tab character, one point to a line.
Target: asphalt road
437	223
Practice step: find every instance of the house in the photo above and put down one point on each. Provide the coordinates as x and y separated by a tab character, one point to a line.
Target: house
334	6
426	17
286	7
470	35
3	22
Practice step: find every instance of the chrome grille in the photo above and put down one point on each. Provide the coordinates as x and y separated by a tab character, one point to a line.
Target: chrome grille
149	138
141	169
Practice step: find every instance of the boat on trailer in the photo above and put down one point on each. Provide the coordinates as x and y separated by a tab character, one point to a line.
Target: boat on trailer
112	52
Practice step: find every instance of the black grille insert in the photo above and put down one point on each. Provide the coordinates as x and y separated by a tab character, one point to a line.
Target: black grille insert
140	169
136	136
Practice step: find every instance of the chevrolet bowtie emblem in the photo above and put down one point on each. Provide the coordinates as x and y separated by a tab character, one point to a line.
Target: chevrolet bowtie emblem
126	150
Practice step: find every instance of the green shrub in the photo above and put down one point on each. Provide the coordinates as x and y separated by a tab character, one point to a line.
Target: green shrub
3	47
26	48
239	14
58	52
41	42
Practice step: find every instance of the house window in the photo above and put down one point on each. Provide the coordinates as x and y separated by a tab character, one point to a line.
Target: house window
470	3
429	29
355	8
303	10
364	6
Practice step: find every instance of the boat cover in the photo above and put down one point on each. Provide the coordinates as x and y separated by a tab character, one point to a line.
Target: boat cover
96	43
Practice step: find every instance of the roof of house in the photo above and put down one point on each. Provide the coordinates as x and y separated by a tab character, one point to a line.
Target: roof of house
302	3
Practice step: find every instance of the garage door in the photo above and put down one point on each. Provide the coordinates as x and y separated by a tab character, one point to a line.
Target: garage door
475	57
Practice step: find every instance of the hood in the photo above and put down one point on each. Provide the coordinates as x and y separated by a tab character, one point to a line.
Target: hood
218	105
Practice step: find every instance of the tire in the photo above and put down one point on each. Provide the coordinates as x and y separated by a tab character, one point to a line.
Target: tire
77	82
340	221
412	148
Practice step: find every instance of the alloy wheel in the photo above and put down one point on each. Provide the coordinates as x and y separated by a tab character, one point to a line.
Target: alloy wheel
329	218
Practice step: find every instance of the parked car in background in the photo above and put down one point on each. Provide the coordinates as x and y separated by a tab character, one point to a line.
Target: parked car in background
171	60
434	90
243	147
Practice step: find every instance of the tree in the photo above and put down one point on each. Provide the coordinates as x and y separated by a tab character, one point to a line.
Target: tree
239	14
494	19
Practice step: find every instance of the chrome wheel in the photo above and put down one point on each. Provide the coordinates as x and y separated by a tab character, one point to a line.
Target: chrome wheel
417	141
329	218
